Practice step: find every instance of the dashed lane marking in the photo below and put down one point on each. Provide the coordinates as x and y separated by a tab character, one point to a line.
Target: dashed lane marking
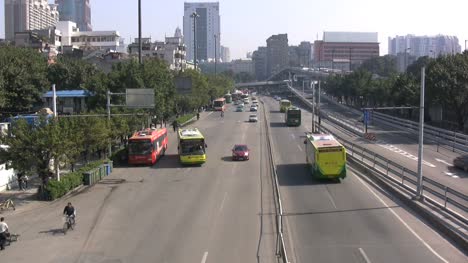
453	175
443	161
364	255
204	257
404	153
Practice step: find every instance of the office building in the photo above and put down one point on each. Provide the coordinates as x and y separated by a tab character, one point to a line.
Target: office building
259	58
88	40
277	53
420	46
345	50
26	15
208	30
78	11
225	54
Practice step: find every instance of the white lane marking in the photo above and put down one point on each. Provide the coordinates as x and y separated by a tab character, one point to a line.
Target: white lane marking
331	198
300	148
403	222
453	175
187	170
399	151
204	257
363	254
292	135
222	202
443	161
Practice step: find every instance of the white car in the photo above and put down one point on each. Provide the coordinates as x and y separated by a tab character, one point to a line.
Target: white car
253	118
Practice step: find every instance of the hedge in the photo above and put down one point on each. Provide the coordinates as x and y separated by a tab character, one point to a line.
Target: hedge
56	189
184	118
119	157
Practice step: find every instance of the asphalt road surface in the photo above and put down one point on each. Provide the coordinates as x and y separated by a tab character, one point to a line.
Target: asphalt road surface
222	211
349	221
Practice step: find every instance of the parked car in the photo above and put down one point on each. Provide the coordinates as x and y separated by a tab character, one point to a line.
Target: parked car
461	162
253	118
240	152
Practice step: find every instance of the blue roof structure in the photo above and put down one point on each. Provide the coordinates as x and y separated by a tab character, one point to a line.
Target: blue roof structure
68	94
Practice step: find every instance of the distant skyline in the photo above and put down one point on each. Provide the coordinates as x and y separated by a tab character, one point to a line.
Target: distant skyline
246	24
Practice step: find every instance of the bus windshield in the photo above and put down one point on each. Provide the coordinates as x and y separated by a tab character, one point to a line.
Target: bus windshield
218	103
139	147
192	147
294	113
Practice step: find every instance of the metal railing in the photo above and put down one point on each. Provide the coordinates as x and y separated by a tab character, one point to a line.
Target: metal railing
448	199
454	141
280	244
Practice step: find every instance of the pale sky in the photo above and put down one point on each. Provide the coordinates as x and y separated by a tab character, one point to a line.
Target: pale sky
246	24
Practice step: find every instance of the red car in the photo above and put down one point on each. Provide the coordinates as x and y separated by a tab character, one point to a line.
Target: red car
240	152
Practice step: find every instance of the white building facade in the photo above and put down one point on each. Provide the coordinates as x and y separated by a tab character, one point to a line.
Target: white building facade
72	36
208	30
24	15
420	46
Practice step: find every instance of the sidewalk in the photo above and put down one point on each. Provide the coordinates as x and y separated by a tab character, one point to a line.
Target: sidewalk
23	199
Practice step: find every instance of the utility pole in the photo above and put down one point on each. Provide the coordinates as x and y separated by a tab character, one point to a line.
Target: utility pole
216	57
318	106
419	193
54	107
350	50
313	106
194	15
108	97
140	44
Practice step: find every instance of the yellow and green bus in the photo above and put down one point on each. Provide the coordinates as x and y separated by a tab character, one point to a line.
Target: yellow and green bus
284	104
325	156
192	146
228	98
292	117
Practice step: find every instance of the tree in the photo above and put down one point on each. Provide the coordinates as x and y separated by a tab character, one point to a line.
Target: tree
23	78
70	73
384	66
447	84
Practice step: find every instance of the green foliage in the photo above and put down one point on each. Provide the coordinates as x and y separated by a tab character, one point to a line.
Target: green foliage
56	189
69	73
22	78
120	157
384	66
185	118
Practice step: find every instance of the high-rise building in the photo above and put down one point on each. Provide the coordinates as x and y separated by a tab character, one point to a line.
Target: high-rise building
277	53
24	15
259	58
420	46
225	54
78	11
345	50
208	30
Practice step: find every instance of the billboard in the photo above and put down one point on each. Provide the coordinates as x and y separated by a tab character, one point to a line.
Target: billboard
183	85
139	98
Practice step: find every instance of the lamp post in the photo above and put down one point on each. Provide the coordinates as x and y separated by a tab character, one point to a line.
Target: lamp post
333	59
406	57
215	45
350	52
140	45
194	15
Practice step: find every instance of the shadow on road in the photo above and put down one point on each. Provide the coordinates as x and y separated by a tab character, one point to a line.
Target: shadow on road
112	181
298	174
275	111
168	161
278	125
52	231
227	159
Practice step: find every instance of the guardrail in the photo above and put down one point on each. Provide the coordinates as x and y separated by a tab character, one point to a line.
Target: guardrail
454	141
280	244
451	201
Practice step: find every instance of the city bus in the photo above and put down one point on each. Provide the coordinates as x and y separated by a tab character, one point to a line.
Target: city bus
228	98
292	117
325	156
219	104
284	104
147	146
192	146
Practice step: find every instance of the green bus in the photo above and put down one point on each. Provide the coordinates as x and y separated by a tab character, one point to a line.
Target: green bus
192	146
284	104
325	156
292	117
228	98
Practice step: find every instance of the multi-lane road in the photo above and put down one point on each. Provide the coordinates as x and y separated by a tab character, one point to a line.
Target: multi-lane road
224	211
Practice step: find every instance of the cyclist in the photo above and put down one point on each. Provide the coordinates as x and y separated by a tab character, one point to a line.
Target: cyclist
70	212
3	233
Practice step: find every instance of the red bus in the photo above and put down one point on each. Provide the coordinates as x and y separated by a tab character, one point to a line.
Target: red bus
220	104
147	146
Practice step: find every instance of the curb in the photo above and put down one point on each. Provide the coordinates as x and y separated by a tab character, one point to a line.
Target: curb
434	221
189	121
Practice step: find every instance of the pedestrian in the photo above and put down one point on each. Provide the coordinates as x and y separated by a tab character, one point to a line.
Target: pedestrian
20	180
164	120
3	233
174	125
26	180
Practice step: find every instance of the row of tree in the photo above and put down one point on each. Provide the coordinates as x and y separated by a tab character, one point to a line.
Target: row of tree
377	84
25	76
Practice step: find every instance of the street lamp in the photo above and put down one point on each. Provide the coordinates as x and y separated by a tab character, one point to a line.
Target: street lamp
333	59
215	44
140	45
194	15
406	58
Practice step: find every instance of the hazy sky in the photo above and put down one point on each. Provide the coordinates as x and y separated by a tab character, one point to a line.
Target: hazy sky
246	24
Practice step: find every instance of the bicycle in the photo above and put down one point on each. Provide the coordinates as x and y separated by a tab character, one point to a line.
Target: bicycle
69	224
7	204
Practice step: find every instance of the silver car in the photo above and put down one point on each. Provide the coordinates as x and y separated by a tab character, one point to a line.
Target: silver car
253	118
